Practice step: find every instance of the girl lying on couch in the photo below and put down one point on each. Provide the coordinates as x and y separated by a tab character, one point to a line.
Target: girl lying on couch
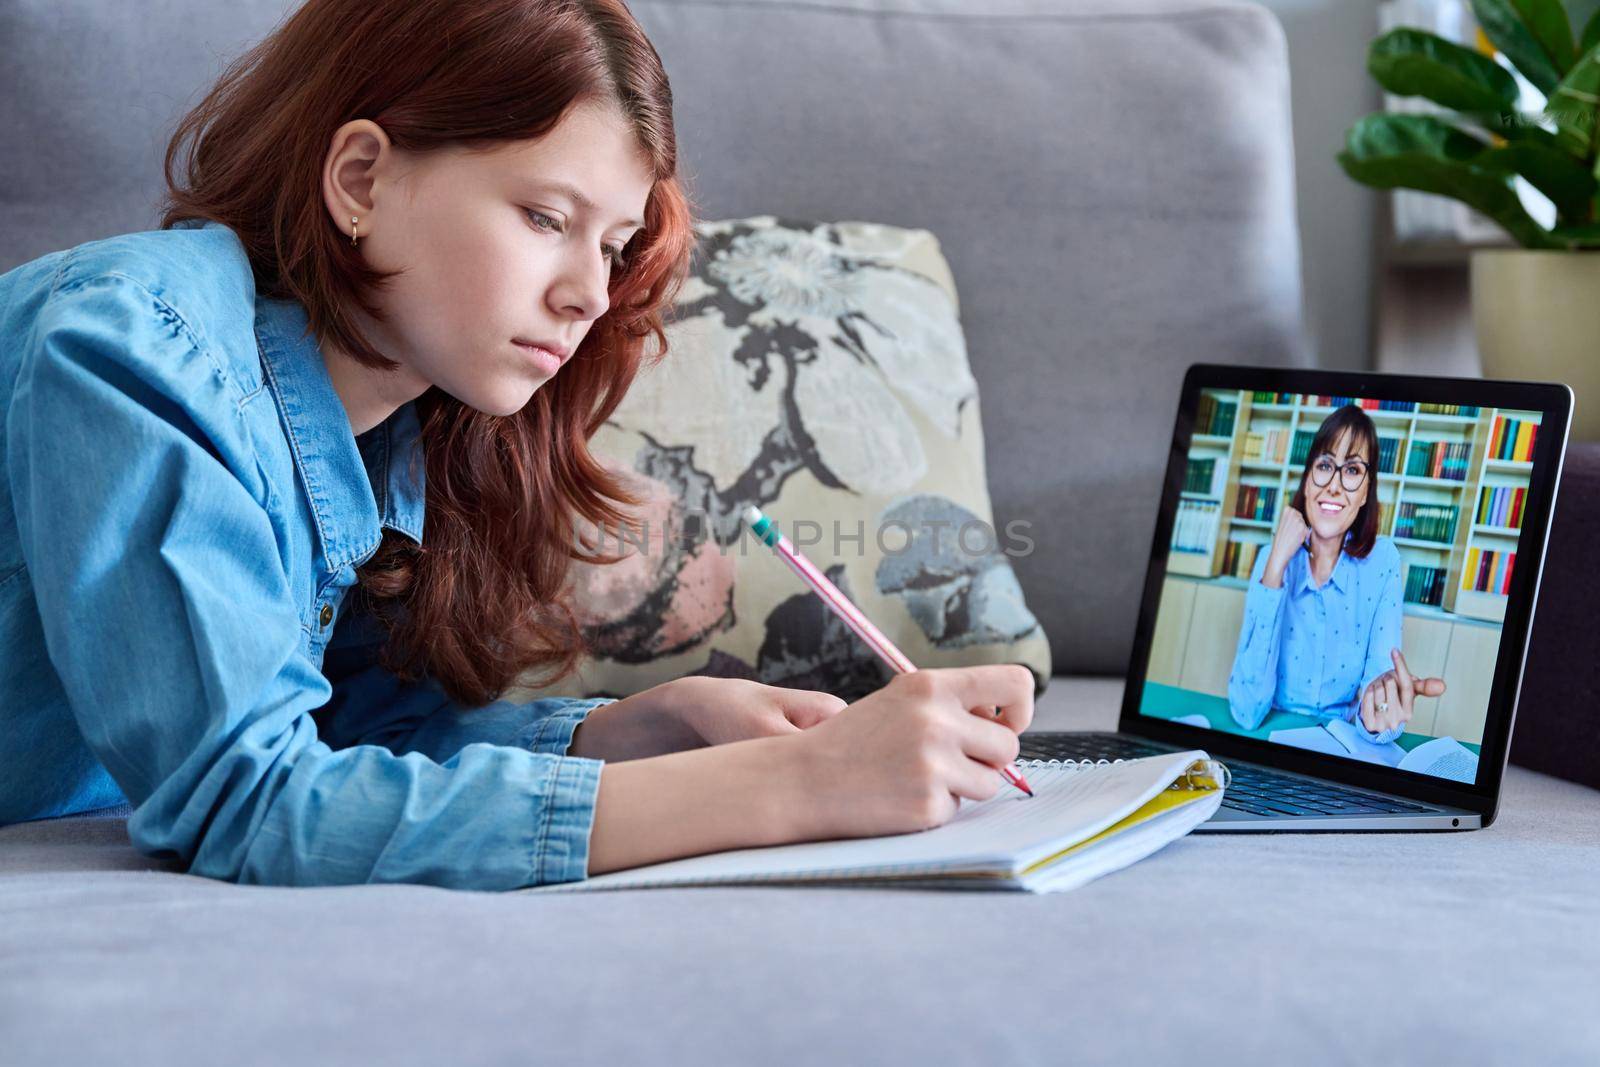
295	479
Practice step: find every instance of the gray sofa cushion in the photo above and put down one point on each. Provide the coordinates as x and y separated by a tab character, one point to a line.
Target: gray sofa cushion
1112	183
1305	948
1111	180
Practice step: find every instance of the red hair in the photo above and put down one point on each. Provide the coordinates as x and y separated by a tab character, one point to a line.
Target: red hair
484	599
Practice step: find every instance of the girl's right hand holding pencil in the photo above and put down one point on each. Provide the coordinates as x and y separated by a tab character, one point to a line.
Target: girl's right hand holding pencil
899	760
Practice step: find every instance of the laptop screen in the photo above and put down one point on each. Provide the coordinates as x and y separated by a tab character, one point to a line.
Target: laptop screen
1338	574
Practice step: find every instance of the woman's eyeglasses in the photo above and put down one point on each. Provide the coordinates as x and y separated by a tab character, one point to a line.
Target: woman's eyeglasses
1351	475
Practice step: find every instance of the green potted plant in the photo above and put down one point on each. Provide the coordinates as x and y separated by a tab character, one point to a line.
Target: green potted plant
1536	309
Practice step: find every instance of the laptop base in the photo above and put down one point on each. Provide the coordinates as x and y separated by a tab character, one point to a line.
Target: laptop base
1265	799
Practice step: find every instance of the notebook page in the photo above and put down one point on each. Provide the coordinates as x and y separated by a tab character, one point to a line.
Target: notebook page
1005	833
1070	872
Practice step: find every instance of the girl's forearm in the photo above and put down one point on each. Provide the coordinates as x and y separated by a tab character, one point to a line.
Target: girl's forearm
746	794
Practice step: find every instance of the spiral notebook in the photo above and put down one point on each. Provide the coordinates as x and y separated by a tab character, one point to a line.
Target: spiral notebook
1086	819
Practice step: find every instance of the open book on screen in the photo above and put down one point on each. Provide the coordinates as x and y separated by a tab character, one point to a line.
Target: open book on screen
1443	757
1085	820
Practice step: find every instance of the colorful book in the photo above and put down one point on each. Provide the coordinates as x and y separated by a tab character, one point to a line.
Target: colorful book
1513	439
1488	570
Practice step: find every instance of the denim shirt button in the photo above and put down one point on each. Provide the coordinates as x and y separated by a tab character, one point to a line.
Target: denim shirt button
327	615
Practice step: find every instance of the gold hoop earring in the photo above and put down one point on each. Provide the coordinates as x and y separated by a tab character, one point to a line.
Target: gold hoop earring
352	231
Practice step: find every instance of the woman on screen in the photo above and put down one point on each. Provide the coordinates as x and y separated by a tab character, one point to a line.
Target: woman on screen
1321	630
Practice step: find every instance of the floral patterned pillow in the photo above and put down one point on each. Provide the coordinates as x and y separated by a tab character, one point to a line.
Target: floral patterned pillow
817	371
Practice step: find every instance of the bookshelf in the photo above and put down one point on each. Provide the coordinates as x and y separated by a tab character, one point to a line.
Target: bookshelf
1493	516
1199	528
1450	490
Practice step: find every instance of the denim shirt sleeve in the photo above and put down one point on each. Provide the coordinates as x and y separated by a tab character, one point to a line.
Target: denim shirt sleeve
1383	635
172	625
1253	681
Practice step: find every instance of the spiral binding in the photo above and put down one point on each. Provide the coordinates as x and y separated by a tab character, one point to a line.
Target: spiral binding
1201	774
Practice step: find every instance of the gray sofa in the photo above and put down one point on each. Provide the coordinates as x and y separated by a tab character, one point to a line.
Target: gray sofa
1112	183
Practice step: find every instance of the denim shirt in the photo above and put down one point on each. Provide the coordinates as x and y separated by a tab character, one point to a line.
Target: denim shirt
1314	650
183	511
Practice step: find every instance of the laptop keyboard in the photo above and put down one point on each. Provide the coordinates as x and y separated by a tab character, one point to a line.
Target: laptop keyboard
1264	792
1257	790
1087	746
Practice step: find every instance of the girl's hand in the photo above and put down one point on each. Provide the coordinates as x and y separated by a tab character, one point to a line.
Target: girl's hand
719	710
1388	701
901	759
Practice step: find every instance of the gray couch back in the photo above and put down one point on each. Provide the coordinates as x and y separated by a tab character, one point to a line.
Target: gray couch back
1111	180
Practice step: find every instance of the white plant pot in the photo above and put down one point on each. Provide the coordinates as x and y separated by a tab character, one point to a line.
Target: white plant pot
1537	318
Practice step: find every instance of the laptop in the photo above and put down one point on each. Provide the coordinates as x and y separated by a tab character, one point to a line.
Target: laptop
1297	582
